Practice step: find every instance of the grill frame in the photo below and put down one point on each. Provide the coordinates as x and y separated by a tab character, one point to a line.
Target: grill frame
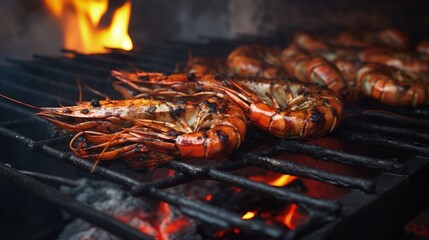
326	216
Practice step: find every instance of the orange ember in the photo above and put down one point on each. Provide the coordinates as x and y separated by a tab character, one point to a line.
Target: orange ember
289	216
280	181
80	20
162	226
208	197
248	215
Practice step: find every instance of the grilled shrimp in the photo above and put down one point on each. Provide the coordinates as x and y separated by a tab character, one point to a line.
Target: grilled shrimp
310	42
256	61
143	84
396	58
393	86
152	132
286	109
204	65
306	68
392	38
423	46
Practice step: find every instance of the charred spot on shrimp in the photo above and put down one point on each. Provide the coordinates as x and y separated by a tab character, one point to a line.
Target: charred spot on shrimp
333	111
67	111
95	102
317	116
84	111
191	76
144	78
223	137
151	109
176	113
181	101
212	106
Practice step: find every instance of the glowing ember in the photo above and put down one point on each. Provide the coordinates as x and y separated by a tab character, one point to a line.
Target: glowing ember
282	181
248	215
289	216
80	20
208	197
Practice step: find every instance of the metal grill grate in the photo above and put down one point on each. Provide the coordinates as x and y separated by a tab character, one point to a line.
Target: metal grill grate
39	80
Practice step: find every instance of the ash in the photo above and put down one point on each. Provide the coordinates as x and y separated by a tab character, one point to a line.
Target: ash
137	212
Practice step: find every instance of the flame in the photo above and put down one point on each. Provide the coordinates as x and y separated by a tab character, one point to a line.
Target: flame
208	197
289	216
282	180
248	215
80	20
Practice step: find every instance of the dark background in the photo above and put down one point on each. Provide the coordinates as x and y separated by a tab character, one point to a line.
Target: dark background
27	28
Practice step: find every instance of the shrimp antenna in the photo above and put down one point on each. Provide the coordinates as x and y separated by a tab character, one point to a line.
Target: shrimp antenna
190	58
59	99
19	102
96	92
79	87
353	114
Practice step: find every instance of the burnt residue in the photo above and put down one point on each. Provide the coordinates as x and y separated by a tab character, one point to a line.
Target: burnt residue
67	111
181	101
212	106
84	111
333	111
317	117
95	102
223	137
143	78
151	109
191	76
176	113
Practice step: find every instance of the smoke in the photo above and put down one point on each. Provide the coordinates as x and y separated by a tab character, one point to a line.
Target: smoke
26	28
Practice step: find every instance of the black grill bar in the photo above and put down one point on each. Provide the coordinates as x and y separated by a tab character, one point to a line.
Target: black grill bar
383	141
59	73
51	178
32	78
388	130
73	65
322	153
291	168
70	205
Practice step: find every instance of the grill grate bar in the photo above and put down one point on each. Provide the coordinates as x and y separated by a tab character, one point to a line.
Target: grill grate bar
388	130
38	93
73	65
286	167
322	153
52	70
70	205
382	141
51	178
111	63
31	78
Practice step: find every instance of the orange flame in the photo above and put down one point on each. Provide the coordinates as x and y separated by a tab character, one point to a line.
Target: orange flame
248	215
289	216
283	180
80	20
